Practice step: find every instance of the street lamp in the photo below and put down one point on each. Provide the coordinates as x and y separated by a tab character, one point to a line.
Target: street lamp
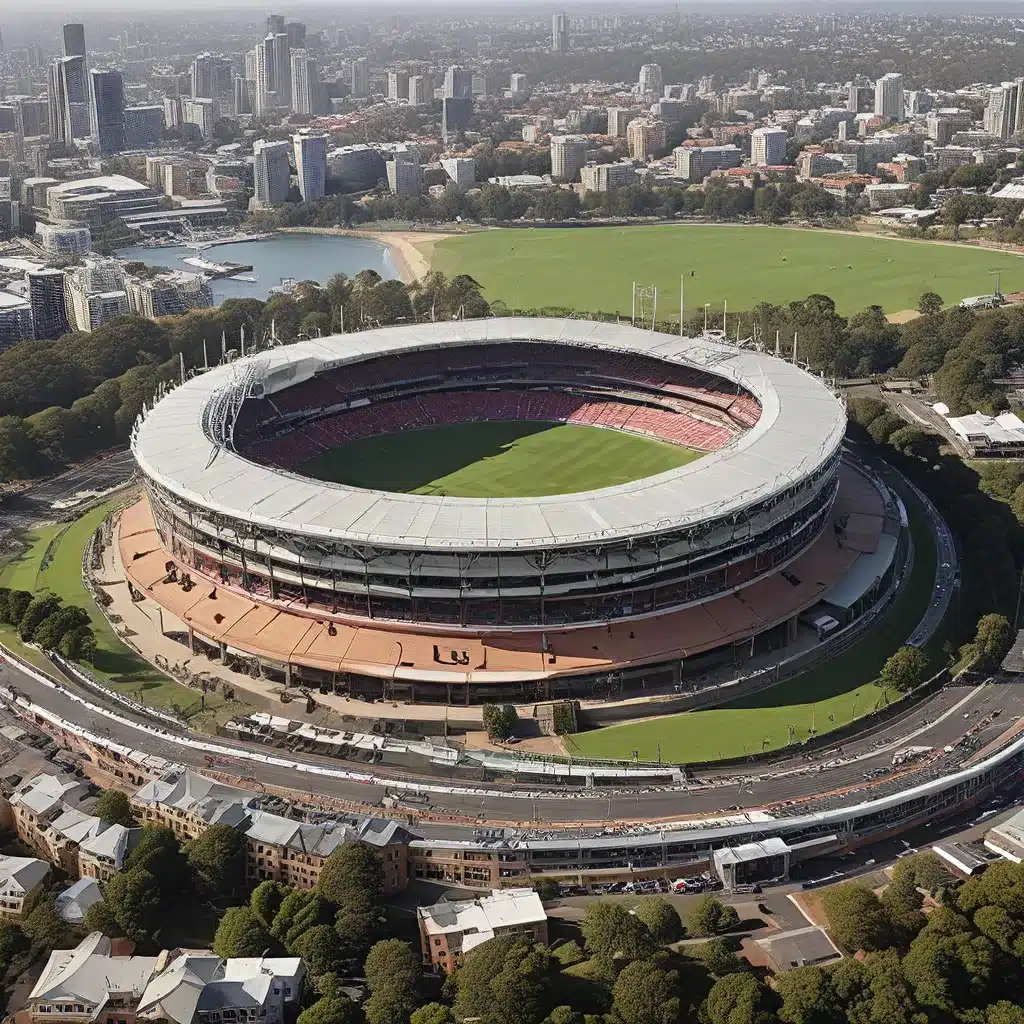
706	306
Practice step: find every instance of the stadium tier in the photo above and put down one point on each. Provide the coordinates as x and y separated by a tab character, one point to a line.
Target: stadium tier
232	516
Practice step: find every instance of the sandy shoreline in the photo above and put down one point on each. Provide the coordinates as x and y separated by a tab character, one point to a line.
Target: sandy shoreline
410	250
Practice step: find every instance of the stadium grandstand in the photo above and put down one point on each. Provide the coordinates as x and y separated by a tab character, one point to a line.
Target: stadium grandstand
433	598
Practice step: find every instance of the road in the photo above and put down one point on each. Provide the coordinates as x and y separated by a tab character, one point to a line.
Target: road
941	721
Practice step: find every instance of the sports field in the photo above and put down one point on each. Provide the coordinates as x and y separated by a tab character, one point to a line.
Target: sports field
593	269
501	459
820	700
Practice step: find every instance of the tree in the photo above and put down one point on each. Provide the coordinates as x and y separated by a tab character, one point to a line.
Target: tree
432	1013
240	934
335	1009
100	918
159	852
40	609
905	669
716	955
660	918
113	806
506	981
265	901
902	903
320	947
546	888
925	869
645	993
915	443
358	926
500	721
710	916
857	920
13	942
51	630
44	925
610	931
735	999
991	641
392	973
808	997
930	304
882	428
17	604
217	859
352	874
78	644
133	899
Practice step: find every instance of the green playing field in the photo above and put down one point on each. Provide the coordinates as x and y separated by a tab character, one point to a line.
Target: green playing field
593	269
504	459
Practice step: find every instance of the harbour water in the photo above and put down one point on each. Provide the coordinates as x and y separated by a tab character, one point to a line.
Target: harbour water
299	256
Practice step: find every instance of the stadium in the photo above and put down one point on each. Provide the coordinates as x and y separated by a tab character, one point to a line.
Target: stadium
259	535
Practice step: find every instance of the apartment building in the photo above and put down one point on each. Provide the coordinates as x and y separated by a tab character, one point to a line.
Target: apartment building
20	879
603	177
448	931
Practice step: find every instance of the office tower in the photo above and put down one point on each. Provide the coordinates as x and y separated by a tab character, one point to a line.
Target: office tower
458	83
74	40
650	80
67	93
559	33
32	117
859	97
646	137
275	24
241	103
398	85
306	86
768	147
889	96
361	77
172	112
517	84
143	126
282	60
481	86
405	176
271	172
568	155
46	297
203	113
455	114
461	170
420	92
296	33
311	165
618	121
106	111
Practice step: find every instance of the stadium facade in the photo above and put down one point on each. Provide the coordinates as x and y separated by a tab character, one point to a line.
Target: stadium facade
431	598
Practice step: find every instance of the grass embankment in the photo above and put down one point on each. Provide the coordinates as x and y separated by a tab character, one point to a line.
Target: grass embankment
593	269
498	460
52	564
820	700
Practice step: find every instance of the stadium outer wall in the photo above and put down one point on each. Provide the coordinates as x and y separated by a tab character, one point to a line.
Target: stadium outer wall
266	541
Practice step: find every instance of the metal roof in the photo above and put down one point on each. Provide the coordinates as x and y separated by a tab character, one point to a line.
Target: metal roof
801	425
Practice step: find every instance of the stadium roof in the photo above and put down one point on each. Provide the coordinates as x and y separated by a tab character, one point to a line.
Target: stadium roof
801	425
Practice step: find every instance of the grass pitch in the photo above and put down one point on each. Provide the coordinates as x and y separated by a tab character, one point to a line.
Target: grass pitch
820	700
502	459
593	269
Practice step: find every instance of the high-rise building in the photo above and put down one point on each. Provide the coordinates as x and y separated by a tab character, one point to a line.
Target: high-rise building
271	172
458	83
67	88
306	88
646	137
559	33
1001	109
517	84
311	165
650	82
49	309
32	117
143	126
420	91
568	155
282	64
460	169
296	33
275	24
618	121
74	40
455	114
361	77
695	163
398	85
889	96
172	112
405	176
768	147
859	98
241	101
106	111
203	113
175	181
604	177
211	77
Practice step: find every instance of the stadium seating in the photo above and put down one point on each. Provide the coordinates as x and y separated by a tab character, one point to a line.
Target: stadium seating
296	446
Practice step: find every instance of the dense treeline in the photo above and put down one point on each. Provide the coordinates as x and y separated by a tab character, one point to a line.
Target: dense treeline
65	400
